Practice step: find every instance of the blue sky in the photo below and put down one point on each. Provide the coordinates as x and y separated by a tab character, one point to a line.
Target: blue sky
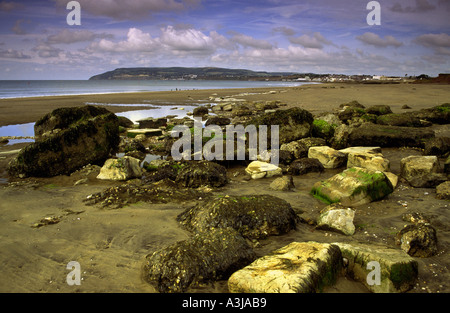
320	36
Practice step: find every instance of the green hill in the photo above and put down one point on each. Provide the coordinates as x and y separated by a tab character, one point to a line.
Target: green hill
206	73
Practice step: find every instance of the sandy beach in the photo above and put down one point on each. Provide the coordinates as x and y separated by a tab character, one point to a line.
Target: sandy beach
110	245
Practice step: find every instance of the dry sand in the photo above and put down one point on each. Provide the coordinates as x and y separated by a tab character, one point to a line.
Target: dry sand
110	245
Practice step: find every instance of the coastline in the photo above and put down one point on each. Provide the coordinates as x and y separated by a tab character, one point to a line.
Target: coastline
111	244
310	97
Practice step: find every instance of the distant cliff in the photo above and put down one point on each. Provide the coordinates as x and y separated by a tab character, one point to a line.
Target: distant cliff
205	73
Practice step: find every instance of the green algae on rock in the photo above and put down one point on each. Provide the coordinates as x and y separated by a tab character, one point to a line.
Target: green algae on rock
206	256
254	216
352	187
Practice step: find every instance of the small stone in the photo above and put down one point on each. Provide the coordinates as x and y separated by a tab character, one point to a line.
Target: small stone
284	183
443	191
418	240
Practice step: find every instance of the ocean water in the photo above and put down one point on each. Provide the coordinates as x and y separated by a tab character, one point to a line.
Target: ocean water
38	88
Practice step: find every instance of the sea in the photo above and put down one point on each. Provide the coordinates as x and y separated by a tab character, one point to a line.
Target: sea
40	88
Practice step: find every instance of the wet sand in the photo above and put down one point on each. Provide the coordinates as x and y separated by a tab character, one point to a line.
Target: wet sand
110	245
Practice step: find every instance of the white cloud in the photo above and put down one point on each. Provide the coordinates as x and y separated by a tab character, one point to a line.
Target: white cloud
137	41
13	54
184	40
248	41
316	41
375	40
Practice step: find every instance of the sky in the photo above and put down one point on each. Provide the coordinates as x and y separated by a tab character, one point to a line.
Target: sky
303	36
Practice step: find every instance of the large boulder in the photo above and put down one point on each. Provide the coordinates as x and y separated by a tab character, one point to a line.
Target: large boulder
294	124
63	118
205	257
300	267
254	216
354	186
397	271
418	240
371	161
369	134
422	171
63	151
329	157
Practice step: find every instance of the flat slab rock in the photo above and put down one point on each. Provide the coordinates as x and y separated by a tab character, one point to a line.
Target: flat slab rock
398	271
299	267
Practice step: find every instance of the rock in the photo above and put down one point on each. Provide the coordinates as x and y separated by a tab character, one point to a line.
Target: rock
120	169
323	129
406	107
241	110
389	136
300	267
421	171
418	240
392	178
305	166
294	123
216	120
329	157
379	109
3	141
398	271
352	104
438	115
152	123
85	141
294	147
125	122
350	112
205	257
415	218
337	218
200	111
64	118
371	161
258	169
373	150
340	138
354	186
401	119
439	146
147	132
202	173
443	191
284	183
253	216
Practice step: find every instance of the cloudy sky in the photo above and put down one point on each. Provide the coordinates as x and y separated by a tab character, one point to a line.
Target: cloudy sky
320	36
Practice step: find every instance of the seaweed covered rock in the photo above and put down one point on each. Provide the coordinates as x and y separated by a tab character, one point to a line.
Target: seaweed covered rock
400	119
254	216
83	141
300	267
380	109
63	118
205	257
439	114
398	271
294	124
370	134
418	240
354	186
195	174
